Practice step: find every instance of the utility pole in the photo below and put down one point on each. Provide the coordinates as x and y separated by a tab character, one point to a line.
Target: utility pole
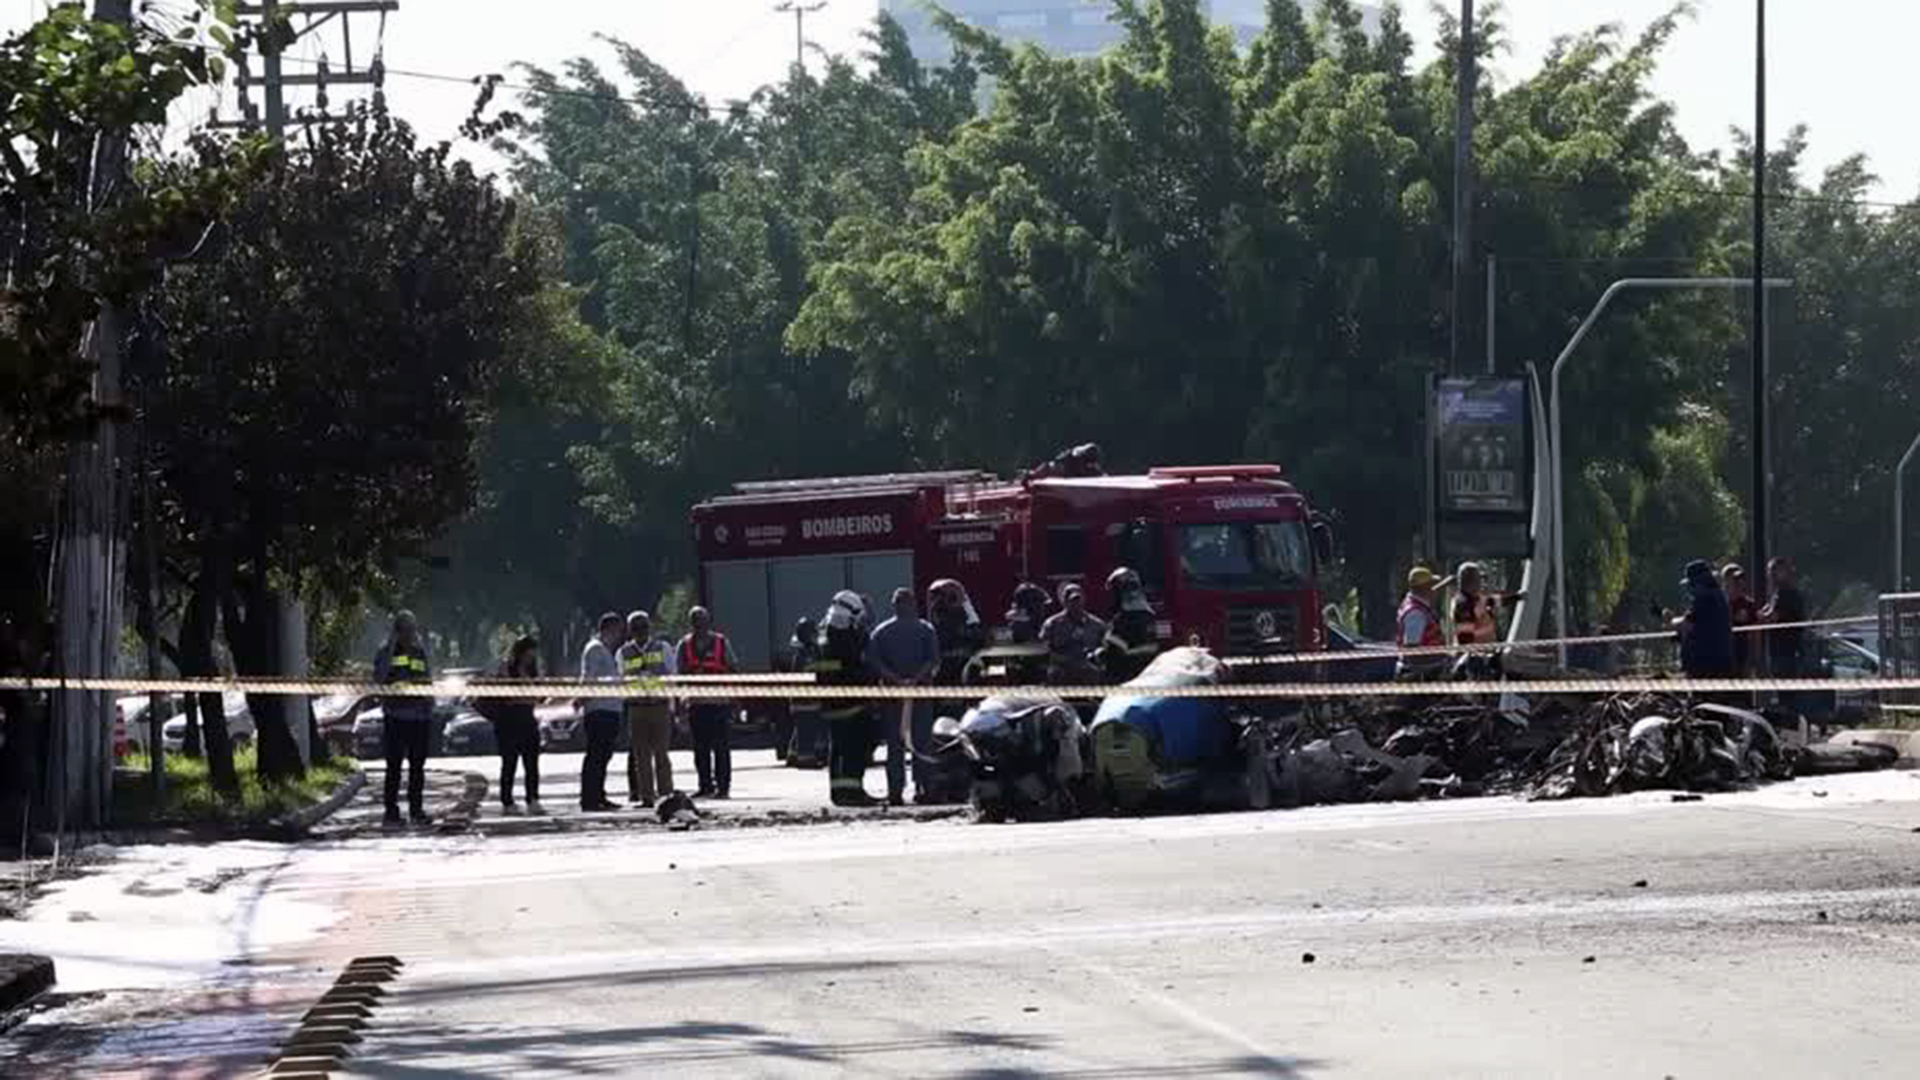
1761	471
800	12
89	570
1466	78
273	41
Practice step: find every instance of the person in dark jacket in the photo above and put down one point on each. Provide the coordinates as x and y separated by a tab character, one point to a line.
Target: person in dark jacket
406	721
843	662
515	731
1706	630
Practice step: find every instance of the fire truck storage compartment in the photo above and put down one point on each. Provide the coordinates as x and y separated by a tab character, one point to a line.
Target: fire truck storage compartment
755	602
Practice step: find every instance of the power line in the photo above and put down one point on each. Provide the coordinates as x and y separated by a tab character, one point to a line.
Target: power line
665	101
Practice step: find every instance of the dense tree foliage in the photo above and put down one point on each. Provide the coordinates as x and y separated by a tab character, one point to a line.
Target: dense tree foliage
328	365
380	380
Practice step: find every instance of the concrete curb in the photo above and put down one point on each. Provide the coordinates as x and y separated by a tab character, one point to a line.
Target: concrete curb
302	820
1906	742
23	977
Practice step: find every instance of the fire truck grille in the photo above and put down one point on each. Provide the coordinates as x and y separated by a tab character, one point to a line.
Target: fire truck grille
1252	631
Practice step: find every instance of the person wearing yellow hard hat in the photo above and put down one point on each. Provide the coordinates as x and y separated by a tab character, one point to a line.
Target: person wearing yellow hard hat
1417	626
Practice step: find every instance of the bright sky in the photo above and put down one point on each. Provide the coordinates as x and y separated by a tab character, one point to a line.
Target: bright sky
1844	67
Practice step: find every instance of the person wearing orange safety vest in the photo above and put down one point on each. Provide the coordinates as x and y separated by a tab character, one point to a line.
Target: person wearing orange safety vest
1475	613
704	651
1418	625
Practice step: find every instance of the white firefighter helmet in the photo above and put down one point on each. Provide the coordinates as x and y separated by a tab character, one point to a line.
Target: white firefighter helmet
845	611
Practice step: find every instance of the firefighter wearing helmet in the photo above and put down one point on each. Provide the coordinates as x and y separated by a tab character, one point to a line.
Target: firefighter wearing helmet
843	662
1129	646
957	625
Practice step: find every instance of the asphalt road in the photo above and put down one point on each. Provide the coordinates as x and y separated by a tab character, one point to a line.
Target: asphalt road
1771	937
1764	934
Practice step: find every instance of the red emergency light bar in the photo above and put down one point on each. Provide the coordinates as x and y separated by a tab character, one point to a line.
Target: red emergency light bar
1215	472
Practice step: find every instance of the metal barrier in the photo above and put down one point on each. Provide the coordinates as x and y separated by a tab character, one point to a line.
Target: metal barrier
1899	647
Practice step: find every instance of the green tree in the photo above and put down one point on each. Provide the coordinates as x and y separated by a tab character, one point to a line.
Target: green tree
329	362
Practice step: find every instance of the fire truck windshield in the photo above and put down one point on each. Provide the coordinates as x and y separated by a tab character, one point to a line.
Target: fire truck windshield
1245	556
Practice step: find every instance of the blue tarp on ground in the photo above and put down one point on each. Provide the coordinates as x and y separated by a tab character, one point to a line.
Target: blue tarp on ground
1184	731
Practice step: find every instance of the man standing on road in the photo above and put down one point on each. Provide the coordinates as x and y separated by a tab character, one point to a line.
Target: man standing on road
1417	625
843	662
904	651
650	719
704	651
1786	648
602	715
1071	638
406	723
1706	630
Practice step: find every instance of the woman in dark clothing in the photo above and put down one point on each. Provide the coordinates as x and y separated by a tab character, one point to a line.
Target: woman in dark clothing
515	730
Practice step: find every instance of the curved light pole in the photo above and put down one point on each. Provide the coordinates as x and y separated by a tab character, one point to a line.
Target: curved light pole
1899	516
1559	477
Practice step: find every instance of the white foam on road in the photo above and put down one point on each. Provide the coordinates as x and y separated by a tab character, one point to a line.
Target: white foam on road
144	921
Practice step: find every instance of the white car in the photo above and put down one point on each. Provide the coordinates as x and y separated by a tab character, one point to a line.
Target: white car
130	720
173	734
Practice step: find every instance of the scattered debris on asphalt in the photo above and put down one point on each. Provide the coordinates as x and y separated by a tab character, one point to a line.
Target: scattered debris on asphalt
677	812
1546	748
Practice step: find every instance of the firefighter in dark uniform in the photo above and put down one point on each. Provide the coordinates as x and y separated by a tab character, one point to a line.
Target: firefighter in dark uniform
407	722
1129	646
958	627
843	662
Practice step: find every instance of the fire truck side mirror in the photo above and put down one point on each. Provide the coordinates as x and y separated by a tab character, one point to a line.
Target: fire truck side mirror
1322	542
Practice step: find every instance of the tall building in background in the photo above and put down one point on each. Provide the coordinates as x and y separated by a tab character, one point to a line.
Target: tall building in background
1067	27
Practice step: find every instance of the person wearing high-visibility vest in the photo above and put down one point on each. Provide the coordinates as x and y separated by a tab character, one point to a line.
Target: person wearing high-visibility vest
406	722
704	651
650	719
1476	612
1418	625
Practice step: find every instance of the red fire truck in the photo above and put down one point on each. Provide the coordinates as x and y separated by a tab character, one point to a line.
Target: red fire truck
1229	553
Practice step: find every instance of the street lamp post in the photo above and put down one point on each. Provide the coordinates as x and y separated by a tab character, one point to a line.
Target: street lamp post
1900	516
1553	439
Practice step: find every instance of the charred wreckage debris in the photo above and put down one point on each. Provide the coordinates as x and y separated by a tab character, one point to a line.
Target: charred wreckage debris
1030	758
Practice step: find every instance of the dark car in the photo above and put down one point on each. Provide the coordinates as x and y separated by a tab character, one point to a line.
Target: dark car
369	726
1841	659
1367	670
469	734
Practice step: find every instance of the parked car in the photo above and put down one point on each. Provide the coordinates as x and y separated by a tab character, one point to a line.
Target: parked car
469	733
131	730
240	727
369	725
335	713
563	728
1369	670
1842	659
